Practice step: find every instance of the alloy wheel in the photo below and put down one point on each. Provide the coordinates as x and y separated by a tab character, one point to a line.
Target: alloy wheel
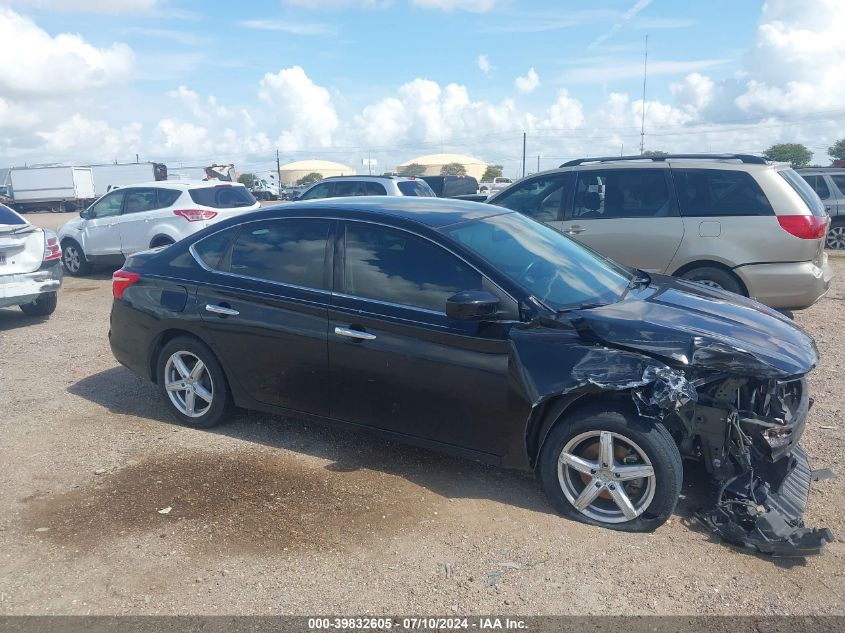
606	476
188	383
836	237
73	259
711	283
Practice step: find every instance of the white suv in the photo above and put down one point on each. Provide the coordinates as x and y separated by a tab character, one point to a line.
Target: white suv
132	219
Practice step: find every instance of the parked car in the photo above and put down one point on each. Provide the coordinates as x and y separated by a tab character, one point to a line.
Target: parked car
344	186
492	186
30	265
829	185
730	221
450	325
144	216
451	186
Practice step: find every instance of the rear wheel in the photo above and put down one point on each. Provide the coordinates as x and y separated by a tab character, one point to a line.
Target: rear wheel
715	278
192	383
44	305
609	467
73	259
836	235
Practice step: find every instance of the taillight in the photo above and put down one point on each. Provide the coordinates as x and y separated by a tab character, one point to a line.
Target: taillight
121	280
52	249
195	215
807	227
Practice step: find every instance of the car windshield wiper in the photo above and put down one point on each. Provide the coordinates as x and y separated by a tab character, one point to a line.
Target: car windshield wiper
583	306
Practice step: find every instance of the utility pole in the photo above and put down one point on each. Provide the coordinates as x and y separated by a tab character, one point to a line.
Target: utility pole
524	137
538	163
136	158
278	171
645	74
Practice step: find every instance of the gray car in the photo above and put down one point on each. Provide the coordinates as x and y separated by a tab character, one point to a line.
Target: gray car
829	184
736	222
346	186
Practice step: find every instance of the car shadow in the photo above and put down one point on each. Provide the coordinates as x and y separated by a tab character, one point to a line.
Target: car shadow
13	318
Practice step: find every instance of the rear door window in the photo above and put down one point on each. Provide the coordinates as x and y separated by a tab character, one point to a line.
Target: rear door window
543	198
288	251
622	193
719	192
817	182
417	188
138	200
222	197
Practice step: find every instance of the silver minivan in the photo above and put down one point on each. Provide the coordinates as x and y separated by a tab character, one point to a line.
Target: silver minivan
829	185
732	221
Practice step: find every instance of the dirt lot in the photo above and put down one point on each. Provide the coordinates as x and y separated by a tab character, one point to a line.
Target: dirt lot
271	515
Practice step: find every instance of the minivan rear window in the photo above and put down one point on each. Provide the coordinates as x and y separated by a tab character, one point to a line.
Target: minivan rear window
222	197
804	190
7	216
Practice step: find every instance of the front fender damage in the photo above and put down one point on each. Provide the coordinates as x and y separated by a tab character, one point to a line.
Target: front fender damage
744	429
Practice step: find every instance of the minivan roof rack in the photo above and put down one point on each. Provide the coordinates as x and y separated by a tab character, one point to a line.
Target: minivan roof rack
745	158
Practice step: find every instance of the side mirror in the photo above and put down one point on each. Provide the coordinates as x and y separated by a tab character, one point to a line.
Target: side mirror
472	305
84	214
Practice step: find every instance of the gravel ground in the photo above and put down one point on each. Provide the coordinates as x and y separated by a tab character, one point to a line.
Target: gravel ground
275	516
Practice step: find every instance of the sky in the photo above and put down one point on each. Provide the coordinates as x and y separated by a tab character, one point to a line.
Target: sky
196	82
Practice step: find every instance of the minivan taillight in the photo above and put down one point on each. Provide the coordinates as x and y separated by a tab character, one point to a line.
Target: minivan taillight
195	215
52	249
807	227
121	280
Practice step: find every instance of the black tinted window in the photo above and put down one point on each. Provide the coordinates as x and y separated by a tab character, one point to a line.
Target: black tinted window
417	188
343	188
167	197
7	216
719	192
108	206
222	197
290	251
394	266
211	249
839	181
818	184
138	200
317	191
622	193
541	198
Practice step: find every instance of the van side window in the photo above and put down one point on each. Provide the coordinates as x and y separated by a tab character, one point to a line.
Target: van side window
622	193
818	184
719	192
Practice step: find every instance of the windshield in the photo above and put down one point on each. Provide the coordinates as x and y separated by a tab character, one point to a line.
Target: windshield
222	197
555	269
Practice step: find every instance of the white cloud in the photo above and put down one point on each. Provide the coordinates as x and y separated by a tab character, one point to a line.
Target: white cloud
475	6
303	107
528	83
38	65
339	4
604	70
696	91
293	28
78	134
566	113
484	64
112	7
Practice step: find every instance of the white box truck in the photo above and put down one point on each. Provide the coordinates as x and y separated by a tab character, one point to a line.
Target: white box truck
56	189
112	176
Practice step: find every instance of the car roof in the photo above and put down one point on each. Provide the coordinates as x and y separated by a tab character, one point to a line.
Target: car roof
368	177
432	212
184	184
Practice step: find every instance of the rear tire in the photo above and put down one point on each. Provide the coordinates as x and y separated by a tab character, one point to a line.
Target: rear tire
579	485
836	235
192	383
44	305
73	259
715	278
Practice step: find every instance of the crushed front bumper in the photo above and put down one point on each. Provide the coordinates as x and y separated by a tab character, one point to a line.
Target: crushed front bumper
764	512
20	288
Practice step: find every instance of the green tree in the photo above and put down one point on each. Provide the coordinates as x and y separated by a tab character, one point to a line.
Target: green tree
414	169
837	151
492	171
793	153
246	179
655	152
453	169
310	179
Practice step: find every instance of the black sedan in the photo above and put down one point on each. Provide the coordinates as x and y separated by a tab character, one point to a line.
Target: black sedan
476	330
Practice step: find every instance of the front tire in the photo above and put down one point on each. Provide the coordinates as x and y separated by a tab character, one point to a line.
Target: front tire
608	467
73	259
192	383
44	305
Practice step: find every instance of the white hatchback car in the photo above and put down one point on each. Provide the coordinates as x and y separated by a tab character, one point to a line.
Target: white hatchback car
132	219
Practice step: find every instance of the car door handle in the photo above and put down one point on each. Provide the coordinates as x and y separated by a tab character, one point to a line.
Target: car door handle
574	230
356	334
221	310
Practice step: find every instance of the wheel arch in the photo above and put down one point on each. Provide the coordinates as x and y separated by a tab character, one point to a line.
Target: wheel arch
709	263
158	238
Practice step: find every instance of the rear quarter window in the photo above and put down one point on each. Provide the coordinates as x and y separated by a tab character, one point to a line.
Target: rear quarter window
222	197
7	216
804	190
167	197
719	192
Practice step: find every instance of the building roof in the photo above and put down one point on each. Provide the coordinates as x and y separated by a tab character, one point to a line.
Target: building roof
316	165
444	159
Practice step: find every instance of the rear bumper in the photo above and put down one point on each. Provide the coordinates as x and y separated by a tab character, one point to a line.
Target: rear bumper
788	286
21	288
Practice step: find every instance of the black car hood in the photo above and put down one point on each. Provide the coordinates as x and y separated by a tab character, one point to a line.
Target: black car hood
690	324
